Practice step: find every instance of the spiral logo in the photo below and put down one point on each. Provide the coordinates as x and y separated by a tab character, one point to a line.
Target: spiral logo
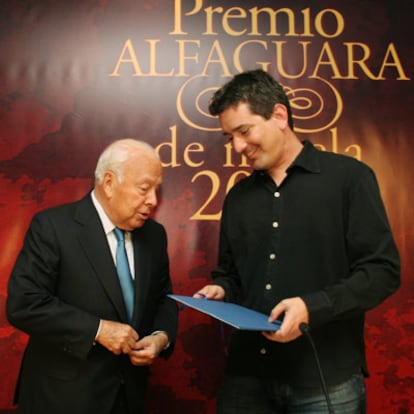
315	110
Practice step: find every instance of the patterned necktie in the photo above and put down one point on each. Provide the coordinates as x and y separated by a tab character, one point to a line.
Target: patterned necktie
124	272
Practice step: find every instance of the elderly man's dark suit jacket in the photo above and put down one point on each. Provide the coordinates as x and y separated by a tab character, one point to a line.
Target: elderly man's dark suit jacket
64	281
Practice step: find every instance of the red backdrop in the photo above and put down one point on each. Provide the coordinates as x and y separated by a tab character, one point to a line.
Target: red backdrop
76	75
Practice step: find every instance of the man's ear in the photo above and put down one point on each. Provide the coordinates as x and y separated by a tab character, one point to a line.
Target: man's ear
280	114
108	182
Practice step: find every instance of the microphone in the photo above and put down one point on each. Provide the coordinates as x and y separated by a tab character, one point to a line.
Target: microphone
304	328
306	331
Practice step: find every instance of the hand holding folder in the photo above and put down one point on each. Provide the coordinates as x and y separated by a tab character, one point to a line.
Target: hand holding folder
234	315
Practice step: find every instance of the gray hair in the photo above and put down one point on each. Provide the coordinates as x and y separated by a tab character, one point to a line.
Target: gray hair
114	156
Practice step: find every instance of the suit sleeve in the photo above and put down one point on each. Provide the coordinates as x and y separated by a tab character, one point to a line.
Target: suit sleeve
32	304
166	314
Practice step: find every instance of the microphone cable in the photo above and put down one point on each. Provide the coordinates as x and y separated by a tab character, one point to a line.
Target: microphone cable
306	330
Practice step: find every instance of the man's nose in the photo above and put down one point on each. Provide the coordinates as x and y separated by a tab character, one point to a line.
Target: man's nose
239	144
152	198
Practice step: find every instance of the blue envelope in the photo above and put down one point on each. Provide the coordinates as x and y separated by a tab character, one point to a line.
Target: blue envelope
235	315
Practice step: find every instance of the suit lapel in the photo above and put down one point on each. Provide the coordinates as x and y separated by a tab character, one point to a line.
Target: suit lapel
95	245
142	258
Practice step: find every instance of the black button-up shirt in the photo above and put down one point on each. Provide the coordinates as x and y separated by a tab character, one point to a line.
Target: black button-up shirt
323	235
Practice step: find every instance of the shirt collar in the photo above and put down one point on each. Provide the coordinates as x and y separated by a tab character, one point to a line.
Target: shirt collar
106	222
307	160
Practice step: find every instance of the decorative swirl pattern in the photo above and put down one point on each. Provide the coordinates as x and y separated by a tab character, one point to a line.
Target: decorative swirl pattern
315	111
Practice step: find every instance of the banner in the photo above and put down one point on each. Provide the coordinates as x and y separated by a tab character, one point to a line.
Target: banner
76	75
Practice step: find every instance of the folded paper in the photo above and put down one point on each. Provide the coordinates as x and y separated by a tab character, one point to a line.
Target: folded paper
235	315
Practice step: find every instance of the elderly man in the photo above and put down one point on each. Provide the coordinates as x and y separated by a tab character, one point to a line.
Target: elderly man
89	288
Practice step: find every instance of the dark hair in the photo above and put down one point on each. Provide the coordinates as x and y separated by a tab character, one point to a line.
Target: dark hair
257	88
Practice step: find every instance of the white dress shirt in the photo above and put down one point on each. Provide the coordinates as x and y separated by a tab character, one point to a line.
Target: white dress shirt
110	235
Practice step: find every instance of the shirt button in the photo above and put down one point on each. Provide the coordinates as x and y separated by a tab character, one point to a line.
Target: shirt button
277	194
275	224
268	286
263	351
272	256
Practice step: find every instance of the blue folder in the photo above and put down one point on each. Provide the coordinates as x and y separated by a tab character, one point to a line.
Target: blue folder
235	315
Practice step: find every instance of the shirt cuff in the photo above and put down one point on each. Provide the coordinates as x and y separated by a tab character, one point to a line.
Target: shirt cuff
97	332
168	343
